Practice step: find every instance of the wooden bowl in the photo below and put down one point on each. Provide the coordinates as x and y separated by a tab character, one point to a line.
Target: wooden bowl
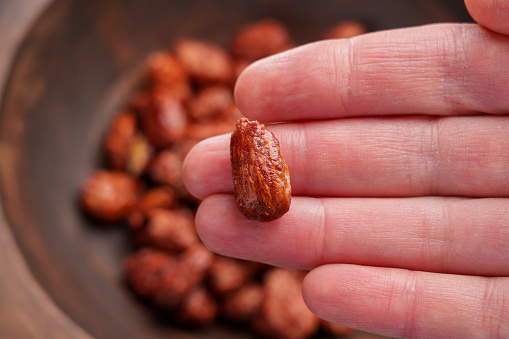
76	64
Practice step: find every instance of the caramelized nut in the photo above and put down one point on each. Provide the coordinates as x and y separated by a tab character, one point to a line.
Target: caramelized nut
170	230
163	119
143	270
119	139
284	314
210	102
205	62
243	304
162	197
228	274
260	39
198	308
109	196
165	70
177	282
261	178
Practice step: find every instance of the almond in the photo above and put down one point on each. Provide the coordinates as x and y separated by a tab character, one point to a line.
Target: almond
261	178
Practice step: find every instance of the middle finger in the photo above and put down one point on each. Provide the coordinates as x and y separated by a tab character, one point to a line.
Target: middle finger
375	157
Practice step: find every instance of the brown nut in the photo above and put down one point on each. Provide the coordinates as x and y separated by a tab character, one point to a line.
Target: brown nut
209	102
260	39
284	314
165	70
119	139
261	178
164	119
109	196
243	304
171	230
178	281
198	308
228	274
143	270
205	62
161	197
166	169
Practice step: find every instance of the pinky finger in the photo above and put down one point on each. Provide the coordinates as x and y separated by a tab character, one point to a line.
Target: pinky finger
409	304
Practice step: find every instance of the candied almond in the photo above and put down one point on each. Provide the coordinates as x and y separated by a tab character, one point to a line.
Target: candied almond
261	178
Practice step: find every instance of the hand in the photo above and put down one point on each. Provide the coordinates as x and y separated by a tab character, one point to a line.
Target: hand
400	178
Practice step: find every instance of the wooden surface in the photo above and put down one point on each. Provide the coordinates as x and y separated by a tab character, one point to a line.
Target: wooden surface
75	64
26	310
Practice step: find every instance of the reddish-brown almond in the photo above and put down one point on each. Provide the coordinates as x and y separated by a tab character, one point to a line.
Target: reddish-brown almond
261	178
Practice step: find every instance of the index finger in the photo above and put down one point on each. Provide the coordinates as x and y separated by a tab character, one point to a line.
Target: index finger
441	69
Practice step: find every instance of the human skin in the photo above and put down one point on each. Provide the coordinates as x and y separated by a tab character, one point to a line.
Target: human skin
397	144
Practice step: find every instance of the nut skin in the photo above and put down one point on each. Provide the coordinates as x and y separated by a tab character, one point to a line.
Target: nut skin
261	178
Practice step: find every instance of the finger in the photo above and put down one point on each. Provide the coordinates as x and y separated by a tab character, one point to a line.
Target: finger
405	156
438	69
409	304
492	14
463	236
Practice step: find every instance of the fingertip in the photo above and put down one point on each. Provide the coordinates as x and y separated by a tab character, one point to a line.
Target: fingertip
248	89
207	215
492	14
222	228
206	169
265	90
323	286
315	281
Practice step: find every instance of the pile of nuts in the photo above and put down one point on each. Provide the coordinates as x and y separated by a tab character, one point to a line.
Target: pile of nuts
188	96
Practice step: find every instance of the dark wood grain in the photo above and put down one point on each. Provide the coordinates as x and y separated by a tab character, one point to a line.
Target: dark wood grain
65	68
